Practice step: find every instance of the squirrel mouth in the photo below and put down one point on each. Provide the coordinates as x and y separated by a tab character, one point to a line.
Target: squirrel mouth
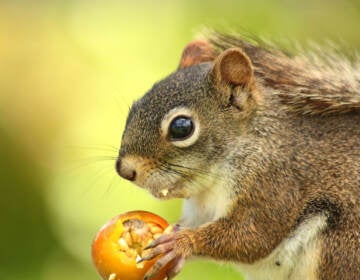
168	193
163	193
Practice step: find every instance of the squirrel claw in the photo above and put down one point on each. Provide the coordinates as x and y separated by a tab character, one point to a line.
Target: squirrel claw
175	270
162	239
161	263
175	248
160	249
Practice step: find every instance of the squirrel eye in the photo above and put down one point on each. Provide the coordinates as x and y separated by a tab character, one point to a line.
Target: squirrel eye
181	128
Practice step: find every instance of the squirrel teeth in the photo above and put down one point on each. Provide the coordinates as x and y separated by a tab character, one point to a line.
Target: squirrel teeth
164	192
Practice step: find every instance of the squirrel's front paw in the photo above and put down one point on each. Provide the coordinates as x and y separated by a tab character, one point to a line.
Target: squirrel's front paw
174	247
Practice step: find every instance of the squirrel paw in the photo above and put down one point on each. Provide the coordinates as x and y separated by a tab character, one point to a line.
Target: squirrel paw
175	247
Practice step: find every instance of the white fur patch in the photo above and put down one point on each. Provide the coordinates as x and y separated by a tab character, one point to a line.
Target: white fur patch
211	203
296	258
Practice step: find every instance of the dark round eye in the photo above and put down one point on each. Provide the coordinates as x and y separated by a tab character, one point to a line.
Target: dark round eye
181	128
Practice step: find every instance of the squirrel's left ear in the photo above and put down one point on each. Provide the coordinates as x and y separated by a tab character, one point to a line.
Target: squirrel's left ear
233	75
196	52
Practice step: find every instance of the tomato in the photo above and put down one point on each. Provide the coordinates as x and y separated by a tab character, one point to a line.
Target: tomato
121	241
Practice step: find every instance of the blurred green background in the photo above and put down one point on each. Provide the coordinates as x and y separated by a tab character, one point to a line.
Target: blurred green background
69	70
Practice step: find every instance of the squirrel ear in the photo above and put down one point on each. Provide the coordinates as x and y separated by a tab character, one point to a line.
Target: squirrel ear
196	52
233	75
233	67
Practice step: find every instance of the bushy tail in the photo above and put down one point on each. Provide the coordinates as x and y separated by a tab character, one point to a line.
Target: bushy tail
310	83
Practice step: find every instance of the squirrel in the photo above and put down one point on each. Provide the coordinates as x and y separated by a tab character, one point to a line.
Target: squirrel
263	146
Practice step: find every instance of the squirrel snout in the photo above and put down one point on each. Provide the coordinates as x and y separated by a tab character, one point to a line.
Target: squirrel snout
125	170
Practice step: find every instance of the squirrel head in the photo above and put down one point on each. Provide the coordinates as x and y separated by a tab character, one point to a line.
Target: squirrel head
185	125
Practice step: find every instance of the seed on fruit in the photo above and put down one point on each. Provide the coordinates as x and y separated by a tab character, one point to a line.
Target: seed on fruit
156	229
112	276
123	244
139	265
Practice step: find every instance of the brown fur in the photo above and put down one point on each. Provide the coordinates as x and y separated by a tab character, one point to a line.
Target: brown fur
310	84
278	145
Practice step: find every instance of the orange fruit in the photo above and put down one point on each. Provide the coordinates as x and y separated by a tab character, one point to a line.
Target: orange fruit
121	242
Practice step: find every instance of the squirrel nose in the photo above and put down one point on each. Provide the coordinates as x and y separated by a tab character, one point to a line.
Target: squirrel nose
125	170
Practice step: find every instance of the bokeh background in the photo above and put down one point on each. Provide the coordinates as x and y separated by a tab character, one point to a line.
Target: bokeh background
69	70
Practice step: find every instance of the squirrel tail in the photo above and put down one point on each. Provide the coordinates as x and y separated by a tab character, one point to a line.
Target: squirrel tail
321	82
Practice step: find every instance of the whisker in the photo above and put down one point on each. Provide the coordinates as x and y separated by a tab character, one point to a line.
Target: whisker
96	177
183	172
106	148
201	172
167	168
81	163
173	172
185	167
100	158
111	184
198	170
